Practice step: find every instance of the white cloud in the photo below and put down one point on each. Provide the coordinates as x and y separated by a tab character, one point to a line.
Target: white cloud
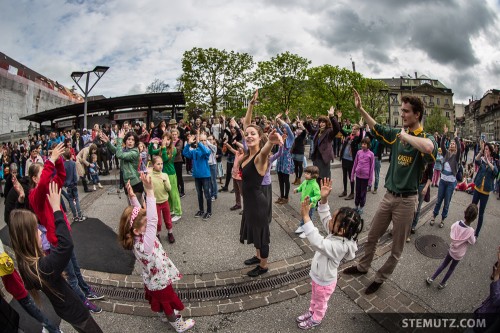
144	40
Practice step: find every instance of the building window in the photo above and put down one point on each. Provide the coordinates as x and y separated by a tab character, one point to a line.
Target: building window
437	101
448	114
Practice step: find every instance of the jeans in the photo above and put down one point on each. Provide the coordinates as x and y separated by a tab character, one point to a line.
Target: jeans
421	196
361	189
203	186
213	180
163	209
75	278
445	192
347	172
443	265
311	213
482	200
28	304
377	173
284	182
73	195
229	167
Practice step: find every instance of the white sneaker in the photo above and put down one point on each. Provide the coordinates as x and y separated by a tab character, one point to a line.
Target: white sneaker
299	230
176	218
94	188
181	325
302	235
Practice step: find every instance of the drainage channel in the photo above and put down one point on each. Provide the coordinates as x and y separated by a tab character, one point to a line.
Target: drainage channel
211	293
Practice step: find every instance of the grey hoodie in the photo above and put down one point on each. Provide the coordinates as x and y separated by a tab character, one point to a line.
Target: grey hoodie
330	250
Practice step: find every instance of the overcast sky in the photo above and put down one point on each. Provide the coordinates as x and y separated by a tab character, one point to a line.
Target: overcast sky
455	41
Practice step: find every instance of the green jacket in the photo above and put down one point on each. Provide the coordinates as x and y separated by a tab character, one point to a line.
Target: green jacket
309	188
168	162
130	161
407	164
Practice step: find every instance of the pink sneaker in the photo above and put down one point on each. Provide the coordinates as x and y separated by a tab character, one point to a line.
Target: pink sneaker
309	323
304	317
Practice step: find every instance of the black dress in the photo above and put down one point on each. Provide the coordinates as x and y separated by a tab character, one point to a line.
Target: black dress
254	223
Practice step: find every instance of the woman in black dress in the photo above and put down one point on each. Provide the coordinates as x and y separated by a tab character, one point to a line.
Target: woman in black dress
254	223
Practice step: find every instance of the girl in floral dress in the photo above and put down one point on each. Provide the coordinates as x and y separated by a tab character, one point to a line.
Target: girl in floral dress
137	232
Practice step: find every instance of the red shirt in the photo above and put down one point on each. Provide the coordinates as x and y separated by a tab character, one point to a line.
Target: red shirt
38	197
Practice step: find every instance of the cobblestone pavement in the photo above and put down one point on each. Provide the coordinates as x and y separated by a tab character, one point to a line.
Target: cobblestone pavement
274	310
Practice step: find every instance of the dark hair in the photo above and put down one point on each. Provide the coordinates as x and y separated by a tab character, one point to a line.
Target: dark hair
325	120
470	213
351	222
136	138
367	141
416	103
313	170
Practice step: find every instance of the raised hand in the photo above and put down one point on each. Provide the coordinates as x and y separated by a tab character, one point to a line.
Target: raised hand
54	197
326	188
305	206
284	136
331	112
357	99
255	97
275	138
130	190
445	129
57	152
147	182
121	134
278	116
104	138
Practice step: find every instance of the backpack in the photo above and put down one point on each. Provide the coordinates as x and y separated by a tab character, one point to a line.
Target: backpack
460	173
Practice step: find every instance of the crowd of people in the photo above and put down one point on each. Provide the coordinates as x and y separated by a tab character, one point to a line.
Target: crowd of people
41	176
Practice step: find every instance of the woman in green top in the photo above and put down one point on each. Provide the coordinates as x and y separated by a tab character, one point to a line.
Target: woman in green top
167	151
129	157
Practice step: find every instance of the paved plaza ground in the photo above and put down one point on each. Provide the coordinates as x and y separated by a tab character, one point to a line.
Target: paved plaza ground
210	247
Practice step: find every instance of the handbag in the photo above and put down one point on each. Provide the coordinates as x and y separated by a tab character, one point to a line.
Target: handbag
6	264
427	196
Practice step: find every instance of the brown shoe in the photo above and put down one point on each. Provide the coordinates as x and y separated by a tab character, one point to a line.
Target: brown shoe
373	287
350	197
284	201
343	194
278	201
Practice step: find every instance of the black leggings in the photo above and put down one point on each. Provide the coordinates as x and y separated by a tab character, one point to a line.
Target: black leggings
229	168
178	173
284	181
346	172
299	168
264	251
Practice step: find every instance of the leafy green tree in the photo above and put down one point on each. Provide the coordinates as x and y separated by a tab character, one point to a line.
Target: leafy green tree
331	85
213	77
375	99
281	81
157	86
435	121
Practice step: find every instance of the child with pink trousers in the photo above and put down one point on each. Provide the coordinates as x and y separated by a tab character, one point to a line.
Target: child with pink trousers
462	235
342	231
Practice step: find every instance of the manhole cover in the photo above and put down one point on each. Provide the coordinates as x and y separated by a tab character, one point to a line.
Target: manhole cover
432	246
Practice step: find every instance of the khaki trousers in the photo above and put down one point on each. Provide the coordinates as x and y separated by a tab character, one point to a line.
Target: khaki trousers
400	211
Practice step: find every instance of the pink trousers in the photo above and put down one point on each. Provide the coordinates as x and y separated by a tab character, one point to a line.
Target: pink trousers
319	299
435	177
164	209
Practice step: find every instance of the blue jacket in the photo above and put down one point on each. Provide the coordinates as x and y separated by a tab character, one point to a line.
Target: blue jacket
484	173
71	175
200	157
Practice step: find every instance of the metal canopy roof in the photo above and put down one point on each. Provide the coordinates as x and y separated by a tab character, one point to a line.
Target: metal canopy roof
110	104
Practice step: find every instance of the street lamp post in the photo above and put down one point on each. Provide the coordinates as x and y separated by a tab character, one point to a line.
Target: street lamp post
76	76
